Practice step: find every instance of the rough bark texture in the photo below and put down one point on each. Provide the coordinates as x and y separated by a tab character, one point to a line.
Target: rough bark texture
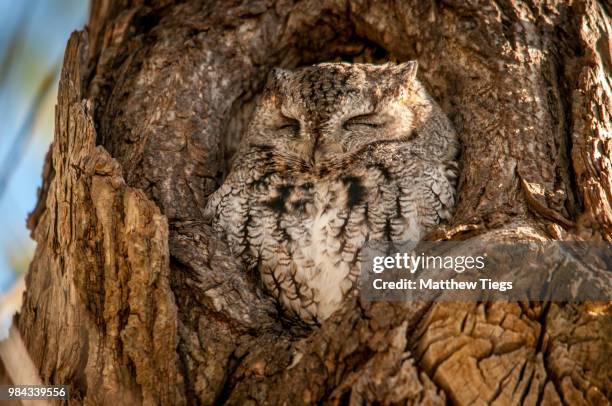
131	298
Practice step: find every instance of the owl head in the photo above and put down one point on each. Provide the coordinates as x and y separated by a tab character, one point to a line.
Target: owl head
320	113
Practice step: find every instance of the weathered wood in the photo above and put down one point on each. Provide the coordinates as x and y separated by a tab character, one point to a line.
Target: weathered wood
131	298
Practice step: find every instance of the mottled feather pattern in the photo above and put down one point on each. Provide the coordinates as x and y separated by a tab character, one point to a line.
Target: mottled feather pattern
335	155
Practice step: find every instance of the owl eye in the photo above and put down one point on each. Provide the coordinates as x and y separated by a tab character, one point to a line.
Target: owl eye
290	125
366	121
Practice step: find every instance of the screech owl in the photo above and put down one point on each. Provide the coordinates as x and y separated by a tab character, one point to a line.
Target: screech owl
336	154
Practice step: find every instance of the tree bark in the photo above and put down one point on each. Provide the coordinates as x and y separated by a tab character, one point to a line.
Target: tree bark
132	299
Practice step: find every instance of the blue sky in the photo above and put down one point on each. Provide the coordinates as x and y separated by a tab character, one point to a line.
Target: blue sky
47	27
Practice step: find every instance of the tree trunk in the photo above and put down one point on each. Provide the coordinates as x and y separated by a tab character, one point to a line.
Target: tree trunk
131	298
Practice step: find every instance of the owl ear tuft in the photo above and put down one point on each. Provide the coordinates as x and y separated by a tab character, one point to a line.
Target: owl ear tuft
279	75
406	71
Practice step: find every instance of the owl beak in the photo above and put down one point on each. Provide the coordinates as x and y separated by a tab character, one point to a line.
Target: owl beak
317	157
326	151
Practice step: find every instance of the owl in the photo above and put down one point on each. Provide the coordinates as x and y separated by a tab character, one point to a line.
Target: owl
335	155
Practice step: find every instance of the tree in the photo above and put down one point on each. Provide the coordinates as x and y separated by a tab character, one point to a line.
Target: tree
131	298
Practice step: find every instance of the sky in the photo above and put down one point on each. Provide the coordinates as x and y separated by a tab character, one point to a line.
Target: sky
44	27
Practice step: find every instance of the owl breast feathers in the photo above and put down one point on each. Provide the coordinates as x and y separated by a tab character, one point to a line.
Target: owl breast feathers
335	155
